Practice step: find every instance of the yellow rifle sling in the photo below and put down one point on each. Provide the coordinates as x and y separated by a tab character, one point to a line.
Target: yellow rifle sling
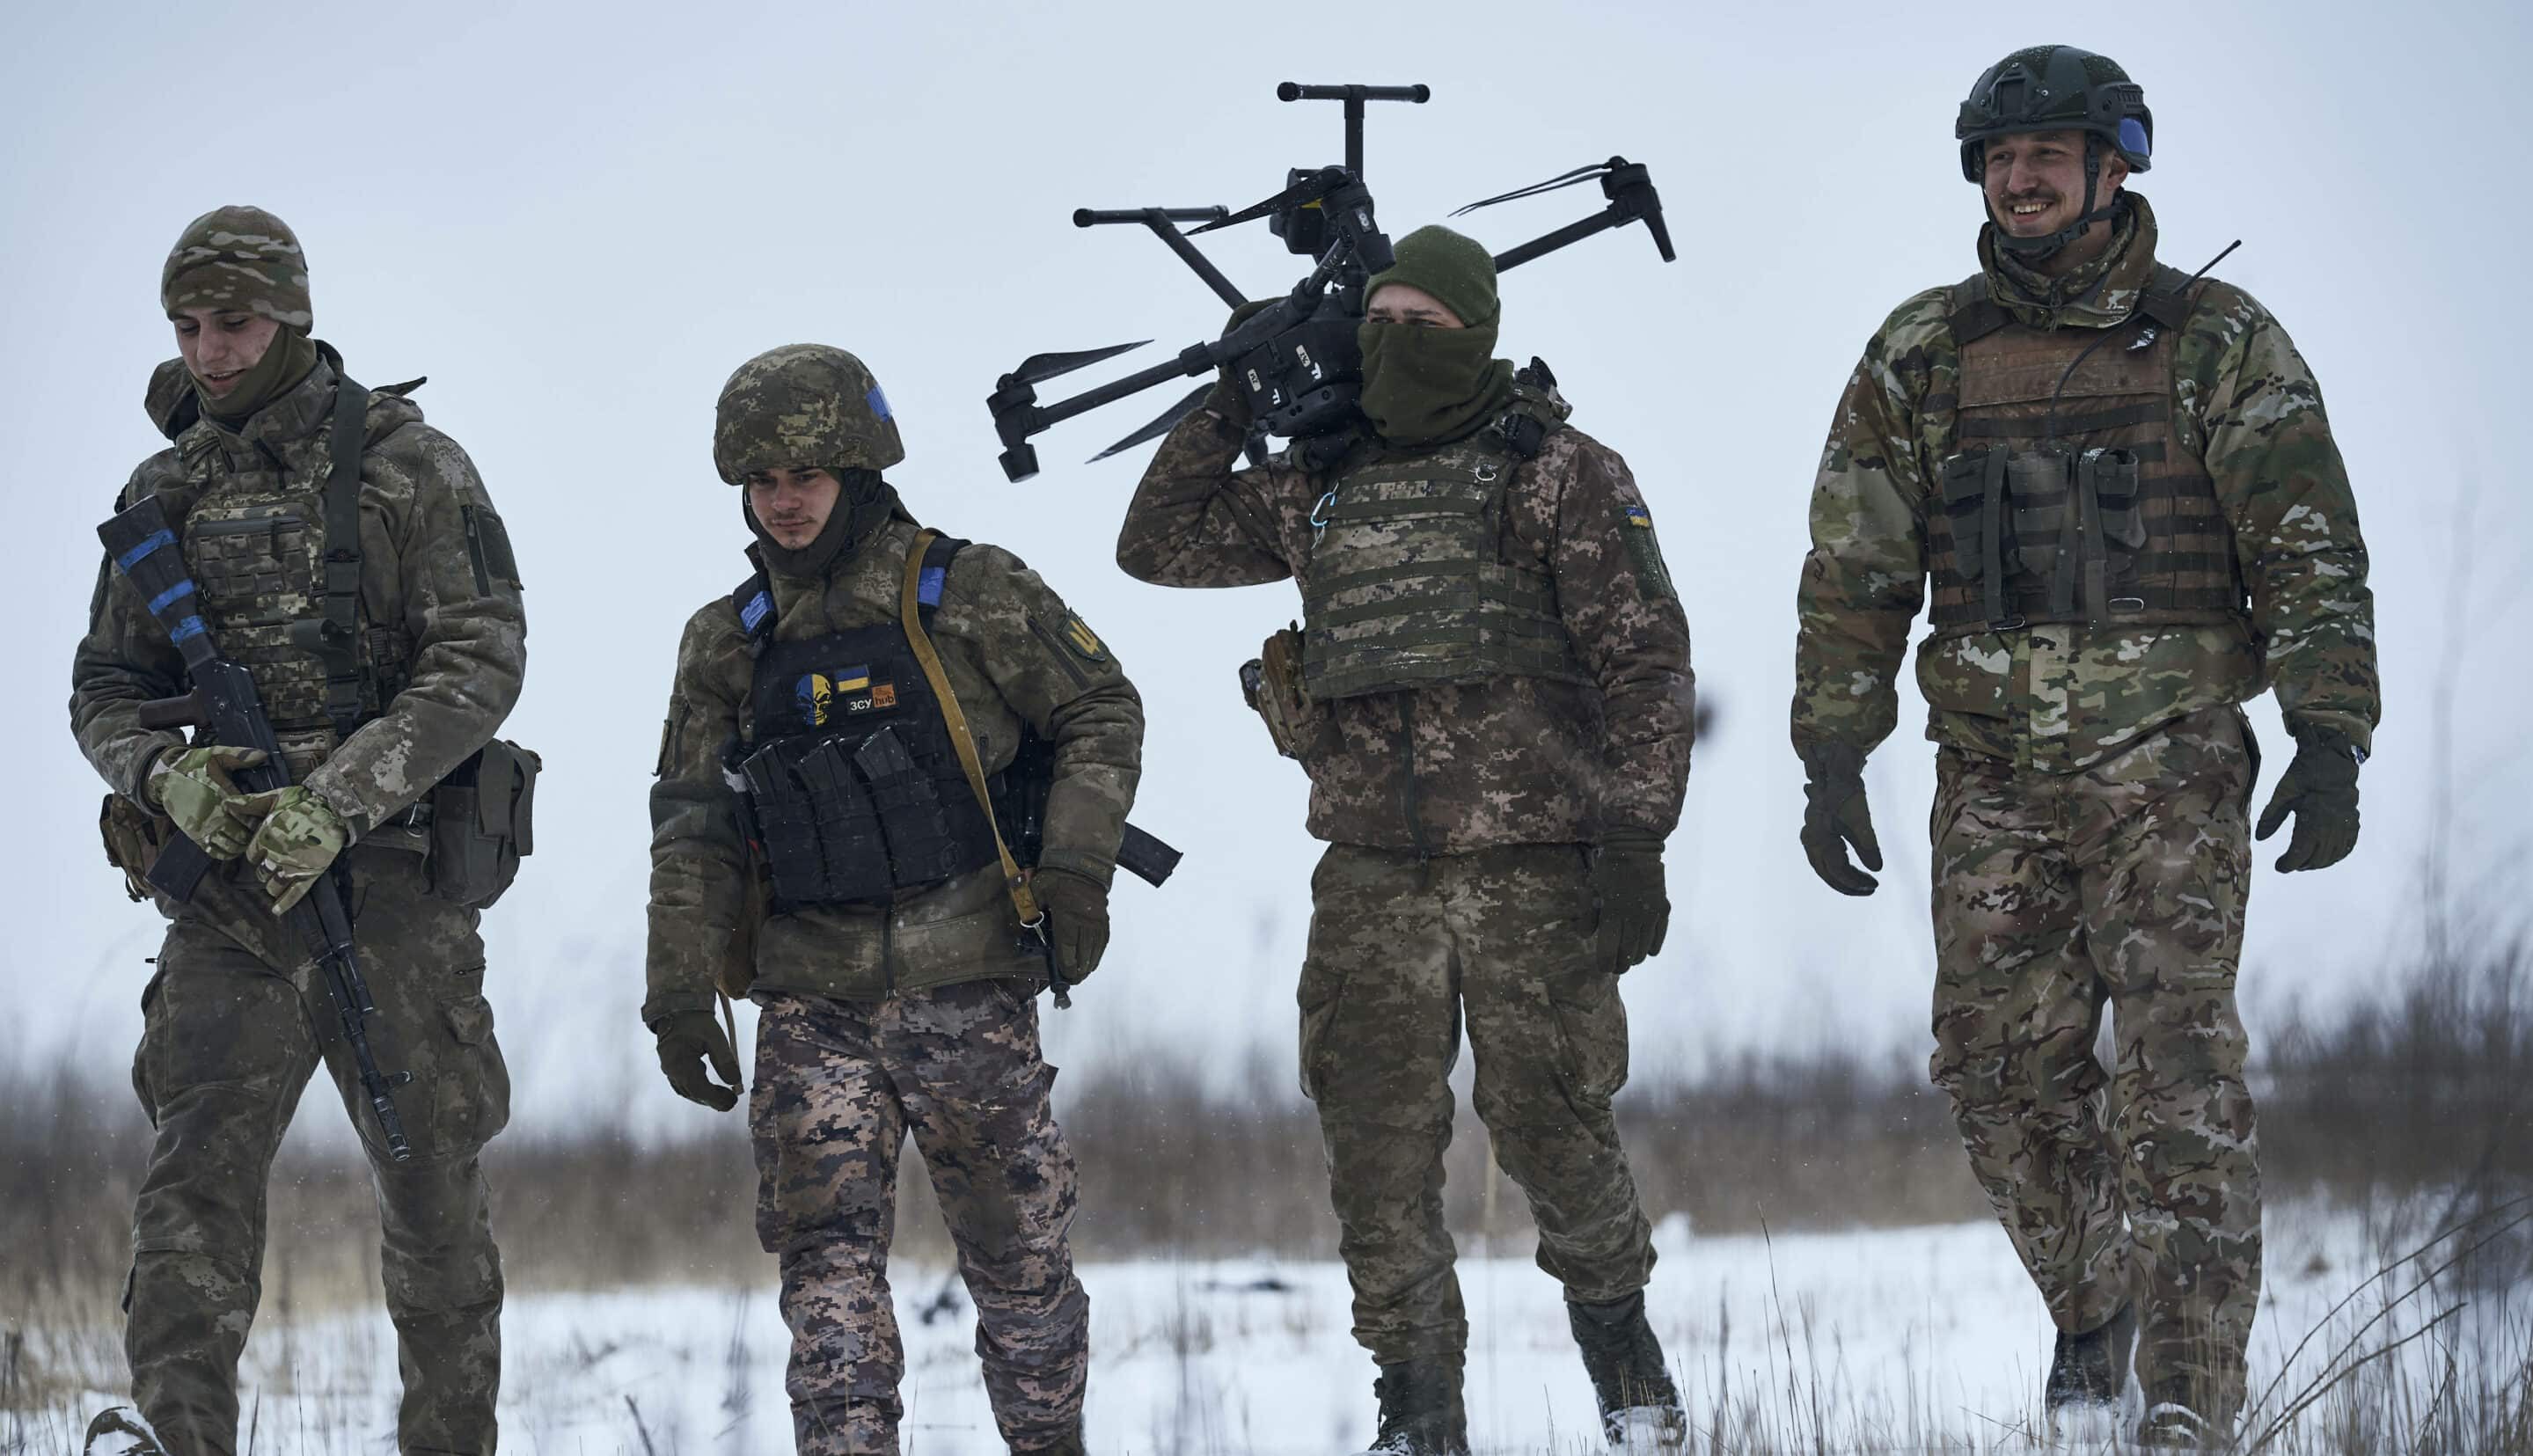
1023	904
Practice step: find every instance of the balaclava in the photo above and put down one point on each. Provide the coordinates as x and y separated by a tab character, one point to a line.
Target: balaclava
1425	385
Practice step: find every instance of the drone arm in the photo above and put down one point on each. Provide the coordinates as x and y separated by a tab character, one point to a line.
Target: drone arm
1164	229
1572	233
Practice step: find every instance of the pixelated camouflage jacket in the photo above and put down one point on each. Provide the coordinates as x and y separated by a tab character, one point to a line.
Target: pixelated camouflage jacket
1002	634
452	597
2059	697
1446	770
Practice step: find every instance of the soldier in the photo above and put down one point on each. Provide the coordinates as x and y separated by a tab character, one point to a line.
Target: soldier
1491	693
819	844
2121	482
293	528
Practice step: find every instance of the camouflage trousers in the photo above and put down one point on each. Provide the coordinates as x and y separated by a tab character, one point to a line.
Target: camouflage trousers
2058	894
234	1027
1401	951
838	1085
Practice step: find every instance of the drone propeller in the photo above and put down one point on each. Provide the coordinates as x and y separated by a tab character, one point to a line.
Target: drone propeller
1563	179
1310	188
1038	368
1169	418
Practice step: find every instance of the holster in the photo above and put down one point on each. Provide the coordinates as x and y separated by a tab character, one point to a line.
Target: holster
1271	683
482	822
133	834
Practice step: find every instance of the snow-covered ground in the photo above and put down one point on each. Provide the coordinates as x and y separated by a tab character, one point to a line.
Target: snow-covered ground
1906	1338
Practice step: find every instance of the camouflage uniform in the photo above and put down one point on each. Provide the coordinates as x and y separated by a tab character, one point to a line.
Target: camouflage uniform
236	1018
915	1016
1458	880
2091	842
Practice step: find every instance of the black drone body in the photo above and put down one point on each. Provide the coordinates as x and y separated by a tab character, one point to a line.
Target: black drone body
1296	357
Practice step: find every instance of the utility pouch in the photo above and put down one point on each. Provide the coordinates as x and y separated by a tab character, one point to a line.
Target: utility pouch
1973	486
133	834
2110	477
2037	483
1272	684
482	823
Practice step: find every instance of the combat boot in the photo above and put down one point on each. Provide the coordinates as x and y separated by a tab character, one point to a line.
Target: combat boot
1640	1408
2089	1375
2170	1426
119	1430
1420	1413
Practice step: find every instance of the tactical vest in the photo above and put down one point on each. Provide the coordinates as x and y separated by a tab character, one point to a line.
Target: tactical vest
278	566
2069	496
850	781
1414	577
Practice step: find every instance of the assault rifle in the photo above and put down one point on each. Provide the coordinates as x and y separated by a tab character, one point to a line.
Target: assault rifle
224	706
1296	359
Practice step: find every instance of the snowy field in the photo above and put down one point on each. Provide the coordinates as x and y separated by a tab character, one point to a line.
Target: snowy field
1923	1338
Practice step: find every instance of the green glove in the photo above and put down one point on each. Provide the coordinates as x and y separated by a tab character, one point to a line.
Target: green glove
1835	816
298	839
686	1039
1077	920
2319	787
192	786
1627	881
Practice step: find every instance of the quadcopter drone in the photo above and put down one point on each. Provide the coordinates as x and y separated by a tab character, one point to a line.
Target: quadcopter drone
1295	357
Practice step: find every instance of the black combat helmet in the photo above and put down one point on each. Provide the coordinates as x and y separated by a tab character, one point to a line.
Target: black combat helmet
2054	88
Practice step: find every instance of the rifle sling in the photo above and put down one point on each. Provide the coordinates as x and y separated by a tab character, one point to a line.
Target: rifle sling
911	611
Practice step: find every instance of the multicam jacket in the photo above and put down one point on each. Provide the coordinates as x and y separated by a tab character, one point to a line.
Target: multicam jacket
2061	696
1014	654
1445	770
441	603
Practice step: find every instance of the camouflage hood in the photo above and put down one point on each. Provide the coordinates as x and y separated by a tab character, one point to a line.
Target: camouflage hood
2097	295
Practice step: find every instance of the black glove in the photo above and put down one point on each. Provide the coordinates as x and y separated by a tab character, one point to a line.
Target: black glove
1077	920
1627	881
1228	399
686	1039
2319	787
1835	816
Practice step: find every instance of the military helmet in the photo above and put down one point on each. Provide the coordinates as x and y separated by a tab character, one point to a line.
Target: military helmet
2051	89
803	405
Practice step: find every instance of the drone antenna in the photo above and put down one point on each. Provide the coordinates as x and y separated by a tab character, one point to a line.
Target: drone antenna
1354	96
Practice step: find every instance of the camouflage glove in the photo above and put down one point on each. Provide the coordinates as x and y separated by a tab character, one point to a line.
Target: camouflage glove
688	1038
192	786
1627	881
1077	920
1835	816
2319	787
296	842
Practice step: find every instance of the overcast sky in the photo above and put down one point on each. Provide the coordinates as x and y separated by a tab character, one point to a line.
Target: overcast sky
578	223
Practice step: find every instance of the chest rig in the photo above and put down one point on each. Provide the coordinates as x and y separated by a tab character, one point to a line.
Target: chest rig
853	781
1416	578
2071	495
278	566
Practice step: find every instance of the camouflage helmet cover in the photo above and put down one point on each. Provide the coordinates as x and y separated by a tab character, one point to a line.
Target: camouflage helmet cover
803	405
2055	88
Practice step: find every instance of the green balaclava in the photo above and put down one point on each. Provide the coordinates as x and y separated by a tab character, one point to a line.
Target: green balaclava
807	405
247	260
1425	385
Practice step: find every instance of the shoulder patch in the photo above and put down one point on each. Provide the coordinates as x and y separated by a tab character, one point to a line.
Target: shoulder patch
1080	640
1636	527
